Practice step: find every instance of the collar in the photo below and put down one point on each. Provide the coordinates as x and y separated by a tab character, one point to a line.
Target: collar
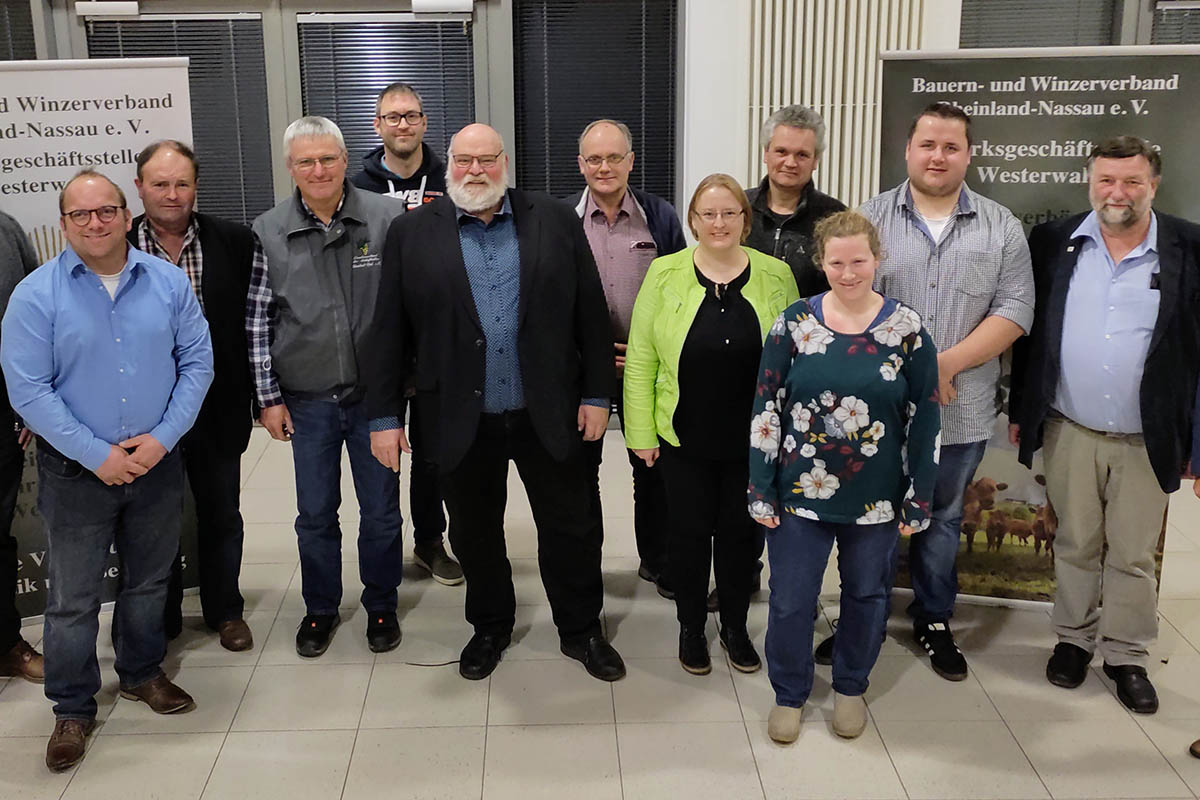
965	206
189	235
74	265
301	217
505	210
1090	229
629	205
763	195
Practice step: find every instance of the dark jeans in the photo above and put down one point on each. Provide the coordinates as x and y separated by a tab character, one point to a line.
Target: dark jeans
710	524
215	478
12	464
569	538
649	502
799	550
321	430
424	490
84	518
933	552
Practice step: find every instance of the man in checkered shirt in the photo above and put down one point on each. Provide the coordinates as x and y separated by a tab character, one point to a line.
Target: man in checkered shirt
962	262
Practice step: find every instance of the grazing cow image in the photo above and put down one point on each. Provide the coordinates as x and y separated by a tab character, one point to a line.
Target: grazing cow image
997	526
1045	525
980	496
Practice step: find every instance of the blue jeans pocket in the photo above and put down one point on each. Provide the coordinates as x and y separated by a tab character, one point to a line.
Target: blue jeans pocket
59	467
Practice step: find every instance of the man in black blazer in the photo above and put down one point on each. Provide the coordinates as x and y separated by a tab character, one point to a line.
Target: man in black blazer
216	255
1105	382
495	294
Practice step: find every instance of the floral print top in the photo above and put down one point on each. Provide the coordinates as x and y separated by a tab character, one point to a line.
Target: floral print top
846	427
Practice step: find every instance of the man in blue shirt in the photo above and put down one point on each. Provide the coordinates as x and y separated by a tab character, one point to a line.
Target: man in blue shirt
107	358
1105	384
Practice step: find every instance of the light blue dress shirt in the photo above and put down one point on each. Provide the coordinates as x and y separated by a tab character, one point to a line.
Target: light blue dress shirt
86	370
1109	318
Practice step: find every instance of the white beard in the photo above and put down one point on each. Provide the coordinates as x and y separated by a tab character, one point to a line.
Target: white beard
476	197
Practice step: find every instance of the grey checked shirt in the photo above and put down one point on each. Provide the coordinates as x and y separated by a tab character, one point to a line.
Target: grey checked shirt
979	268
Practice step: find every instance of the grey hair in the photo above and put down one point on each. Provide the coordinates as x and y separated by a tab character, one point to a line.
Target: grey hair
796	116
312	127
621	126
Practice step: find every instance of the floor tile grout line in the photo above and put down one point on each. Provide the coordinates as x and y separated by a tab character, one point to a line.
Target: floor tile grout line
1145	733
487	726
612	690
746	728
358	728
888	751
1017	741
225	740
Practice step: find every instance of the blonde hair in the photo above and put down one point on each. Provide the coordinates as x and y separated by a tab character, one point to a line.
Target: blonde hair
727	182
844	224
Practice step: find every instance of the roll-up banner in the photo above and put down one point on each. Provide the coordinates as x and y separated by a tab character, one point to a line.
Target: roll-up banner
1035	114
56	118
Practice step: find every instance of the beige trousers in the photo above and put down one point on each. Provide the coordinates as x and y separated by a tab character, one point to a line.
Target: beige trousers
1104	491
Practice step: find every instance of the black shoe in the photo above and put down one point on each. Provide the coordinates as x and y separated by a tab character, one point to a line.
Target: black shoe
437	562
944	656
742	654
823	655
383	632
664	587
599	657
647	574
714	603
1068	665
693	651
481	655
1134	689
315	634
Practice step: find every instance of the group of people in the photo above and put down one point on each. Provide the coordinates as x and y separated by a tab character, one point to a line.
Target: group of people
429	308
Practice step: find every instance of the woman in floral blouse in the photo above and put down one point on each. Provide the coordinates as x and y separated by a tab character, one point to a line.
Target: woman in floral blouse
843	446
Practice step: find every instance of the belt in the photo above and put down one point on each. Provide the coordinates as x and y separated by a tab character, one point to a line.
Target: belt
1053	414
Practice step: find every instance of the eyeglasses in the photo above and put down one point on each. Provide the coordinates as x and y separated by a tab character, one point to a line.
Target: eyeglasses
487	162
393	120
82	216
613	159
308	164
711	216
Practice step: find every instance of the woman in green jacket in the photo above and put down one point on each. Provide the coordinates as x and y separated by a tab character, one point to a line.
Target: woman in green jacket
690	369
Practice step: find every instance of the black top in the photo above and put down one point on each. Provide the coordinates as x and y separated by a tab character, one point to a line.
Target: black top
718	368
790	237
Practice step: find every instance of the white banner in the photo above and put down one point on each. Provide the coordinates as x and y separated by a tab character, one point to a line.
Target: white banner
58	117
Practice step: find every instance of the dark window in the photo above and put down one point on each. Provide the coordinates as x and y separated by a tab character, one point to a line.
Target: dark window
227	81
1037	23
16	31
343	65
1175	25
565	79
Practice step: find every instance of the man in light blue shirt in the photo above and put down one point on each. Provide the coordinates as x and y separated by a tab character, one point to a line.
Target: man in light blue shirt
107	358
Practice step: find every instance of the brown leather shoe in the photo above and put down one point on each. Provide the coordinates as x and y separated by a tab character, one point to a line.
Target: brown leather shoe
67	743
235	635
23	662
1195	749
162	696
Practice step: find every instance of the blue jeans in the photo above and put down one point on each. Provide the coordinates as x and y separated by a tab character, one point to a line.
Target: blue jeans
798	551
84	518
933	552
320	430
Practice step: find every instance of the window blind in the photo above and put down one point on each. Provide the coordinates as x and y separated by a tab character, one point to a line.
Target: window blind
1037	23
228	86
16	31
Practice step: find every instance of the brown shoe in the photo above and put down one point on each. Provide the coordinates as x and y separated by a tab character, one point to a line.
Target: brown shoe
1195	749
235	635
162	696
67	743
23	662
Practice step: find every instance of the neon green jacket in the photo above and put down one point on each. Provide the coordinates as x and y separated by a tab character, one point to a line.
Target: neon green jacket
663	314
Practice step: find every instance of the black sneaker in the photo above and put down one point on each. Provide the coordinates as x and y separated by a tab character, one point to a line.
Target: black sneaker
383	632
823	655
315	634
742	654
944	656
437	562
693	651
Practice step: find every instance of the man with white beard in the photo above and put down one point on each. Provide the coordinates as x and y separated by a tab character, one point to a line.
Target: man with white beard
490	305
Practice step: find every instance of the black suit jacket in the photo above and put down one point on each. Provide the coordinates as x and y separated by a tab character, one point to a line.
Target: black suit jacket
1168	388
427	332
225	418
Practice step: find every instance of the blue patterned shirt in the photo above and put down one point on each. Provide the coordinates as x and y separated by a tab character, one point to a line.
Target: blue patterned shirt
493	261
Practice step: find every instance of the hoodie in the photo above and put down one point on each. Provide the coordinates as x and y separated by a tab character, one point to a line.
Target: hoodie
427	183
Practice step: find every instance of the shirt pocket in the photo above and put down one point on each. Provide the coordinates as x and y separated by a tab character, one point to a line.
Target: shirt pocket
976	272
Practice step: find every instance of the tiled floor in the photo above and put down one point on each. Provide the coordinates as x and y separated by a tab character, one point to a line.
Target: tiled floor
404	725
